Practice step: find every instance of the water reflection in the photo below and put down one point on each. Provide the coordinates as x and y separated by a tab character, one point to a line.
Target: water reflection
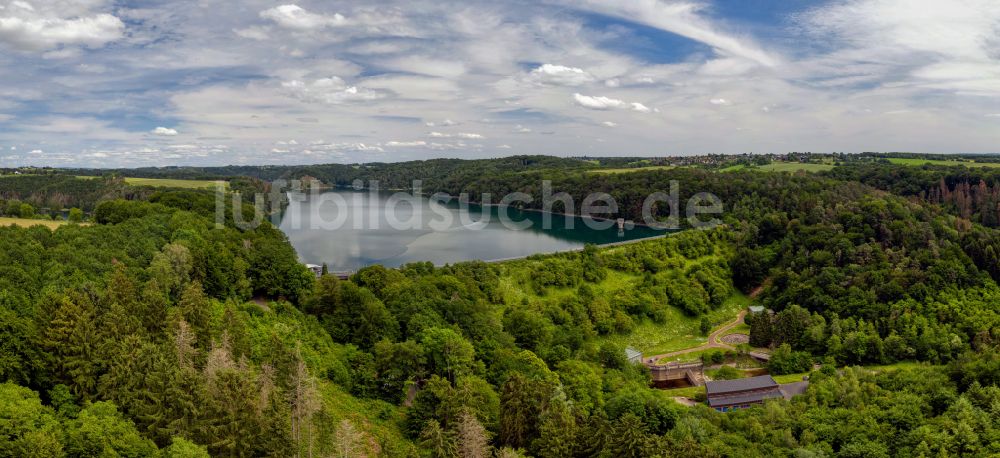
348	230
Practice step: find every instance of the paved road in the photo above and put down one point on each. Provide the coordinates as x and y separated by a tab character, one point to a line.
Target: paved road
713	342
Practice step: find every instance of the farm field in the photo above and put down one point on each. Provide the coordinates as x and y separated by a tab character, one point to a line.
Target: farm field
632	169
171	183
22	222
918	162
783	167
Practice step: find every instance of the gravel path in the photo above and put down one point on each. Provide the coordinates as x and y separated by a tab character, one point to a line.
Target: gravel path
713	342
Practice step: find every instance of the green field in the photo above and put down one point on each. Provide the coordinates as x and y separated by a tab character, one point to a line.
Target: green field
168	183
633	169
782	167
4	221
953	162
741	328
171	183
680	331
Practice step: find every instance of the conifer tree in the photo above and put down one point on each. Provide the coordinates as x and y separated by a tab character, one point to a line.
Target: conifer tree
71	339
557	430
194	308
438	441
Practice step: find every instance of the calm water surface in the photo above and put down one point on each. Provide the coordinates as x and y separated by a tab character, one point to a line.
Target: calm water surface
349	230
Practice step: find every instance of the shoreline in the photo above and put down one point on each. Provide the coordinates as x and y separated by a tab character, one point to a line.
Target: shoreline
666	230
513	258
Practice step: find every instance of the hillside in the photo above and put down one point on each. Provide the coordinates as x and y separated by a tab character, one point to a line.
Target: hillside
153	330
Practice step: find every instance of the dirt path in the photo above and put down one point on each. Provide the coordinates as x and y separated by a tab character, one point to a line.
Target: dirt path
713	342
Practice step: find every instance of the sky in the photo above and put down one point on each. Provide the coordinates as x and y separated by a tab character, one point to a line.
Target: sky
130	83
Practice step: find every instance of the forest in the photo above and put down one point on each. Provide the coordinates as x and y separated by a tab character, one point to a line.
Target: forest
152	332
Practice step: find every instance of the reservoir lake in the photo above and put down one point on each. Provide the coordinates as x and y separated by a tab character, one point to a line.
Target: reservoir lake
349	229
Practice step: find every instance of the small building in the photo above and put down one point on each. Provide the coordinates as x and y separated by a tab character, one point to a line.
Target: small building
755	309
728	395
318	270
634	356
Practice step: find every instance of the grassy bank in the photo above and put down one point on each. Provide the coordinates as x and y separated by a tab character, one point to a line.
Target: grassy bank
680	331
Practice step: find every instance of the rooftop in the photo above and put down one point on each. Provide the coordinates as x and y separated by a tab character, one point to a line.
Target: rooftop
741	384
747	397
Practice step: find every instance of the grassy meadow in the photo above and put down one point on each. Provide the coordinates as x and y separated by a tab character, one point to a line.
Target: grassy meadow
171	183
681	331
783	167
916	162
632	169
27	222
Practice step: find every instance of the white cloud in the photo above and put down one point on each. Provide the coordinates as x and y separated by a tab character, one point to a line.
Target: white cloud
445	123
960	29
409	144
42	33
465	135
21	5
947	46
681	17
253	33
381	47
423	65
245	79
295	17
332	91
164	132
597	102
560	75
607	103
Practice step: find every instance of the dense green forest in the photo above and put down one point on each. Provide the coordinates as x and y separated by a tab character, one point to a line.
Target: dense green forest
972	193
55	191
153	332
392	175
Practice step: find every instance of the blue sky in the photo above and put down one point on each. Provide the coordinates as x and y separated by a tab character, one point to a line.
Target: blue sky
208	82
